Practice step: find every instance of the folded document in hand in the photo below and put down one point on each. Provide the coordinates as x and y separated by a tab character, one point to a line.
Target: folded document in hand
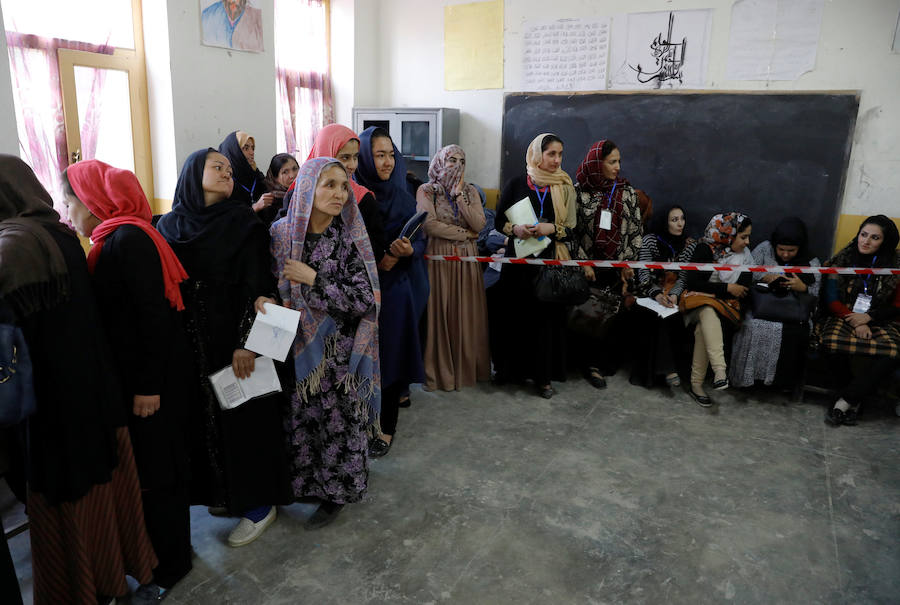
232	391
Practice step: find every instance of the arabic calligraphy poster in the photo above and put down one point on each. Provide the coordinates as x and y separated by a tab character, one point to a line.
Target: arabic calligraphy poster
668	49
566	54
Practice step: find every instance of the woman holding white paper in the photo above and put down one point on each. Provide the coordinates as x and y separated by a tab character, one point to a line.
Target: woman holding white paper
456	346
528	337
327	271
237	455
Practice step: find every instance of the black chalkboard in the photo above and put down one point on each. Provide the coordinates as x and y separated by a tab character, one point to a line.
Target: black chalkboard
768	155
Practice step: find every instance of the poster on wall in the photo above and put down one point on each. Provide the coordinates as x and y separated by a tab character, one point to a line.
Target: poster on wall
773	39
667	49
473	45
566	54
234	24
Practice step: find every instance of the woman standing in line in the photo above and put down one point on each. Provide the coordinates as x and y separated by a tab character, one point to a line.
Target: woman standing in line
456	349
237	454
281	174
249	183
327	271
402	275
136	276
532	333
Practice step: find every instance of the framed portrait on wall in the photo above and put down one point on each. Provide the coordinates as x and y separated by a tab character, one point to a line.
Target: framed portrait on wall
234	24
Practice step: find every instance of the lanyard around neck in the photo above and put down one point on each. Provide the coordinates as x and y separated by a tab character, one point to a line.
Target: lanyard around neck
250	190
868	277
541	197
609	199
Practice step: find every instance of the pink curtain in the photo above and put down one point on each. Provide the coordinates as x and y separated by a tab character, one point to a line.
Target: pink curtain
304	101
37	95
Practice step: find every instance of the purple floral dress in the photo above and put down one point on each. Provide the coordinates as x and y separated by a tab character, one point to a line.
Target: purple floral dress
326	431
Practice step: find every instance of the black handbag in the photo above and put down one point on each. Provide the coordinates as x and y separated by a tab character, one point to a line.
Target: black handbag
562	285
591	317
784	307
17	399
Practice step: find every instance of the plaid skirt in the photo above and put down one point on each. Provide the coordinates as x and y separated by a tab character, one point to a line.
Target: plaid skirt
836	336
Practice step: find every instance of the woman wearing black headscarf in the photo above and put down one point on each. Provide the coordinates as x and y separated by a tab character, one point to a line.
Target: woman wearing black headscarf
862	317
249	183
237	458
659	341
84	502
772	351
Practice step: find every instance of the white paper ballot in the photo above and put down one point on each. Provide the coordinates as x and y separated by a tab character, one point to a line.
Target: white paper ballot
232	391
660	310
522	213
273	334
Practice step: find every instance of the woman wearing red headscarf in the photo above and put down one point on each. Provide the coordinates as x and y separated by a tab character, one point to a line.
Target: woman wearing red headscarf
136	277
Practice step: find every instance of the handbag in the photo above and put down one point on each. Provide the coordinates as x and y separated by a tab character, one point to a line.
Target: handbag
561	285
592	316
17	399
790	307
729	308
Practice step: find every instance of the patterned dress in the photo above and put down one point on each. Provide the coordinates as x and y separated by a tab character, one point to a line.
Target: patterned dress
327	438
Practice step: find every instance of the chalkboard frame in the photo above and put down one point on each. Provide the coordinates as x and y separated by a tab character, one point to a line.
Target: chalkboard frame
831	160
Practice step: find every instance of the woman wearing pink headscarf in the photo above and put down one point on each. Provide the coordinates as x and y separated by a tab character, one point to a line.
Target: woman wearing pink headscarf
456	348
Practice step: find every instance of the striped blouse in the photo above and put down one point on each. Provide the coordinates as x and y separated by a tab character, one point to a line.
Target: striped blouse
650	282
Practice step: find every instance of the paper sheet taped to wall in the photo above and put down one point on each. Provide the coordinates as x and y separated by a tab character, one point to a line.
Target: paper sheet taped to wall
473	45
566	54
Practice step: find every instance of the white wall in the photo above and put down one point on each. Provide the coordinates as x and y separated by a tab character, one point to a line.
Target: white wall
216	91
405	68
159	99
9	138
343	58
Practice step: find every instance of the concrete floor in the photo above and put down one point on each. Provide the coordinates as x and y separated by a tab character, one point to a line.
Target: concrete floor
624	495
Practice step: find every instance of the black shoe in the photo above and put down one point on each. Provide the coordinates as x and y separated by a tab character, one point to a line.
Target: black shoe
836	417
595	378
379	447
702	400
325	514
721	385
546	391
404	403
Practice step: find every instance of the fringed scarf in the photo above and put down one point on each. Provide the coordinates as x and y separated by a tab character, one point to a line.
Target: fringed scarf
317	332
610	196
561	192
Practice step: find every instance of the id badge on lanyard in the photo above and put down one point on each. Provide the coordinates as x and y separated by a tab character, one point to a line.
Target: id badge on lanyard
864	301
606	214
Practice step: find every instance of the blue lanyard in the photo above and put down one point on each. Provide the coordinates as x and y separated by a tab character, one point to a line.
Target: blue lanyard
541	198
667	244
250	191
866	280
609	199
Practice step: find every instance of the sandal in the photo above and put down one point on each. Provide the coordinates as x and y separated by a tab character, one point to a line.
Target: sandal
546	391
595	378
404	402
673	380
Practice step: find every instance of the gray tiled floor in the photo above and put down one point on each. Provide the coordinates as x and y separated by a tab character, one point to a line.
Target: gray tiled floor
624	495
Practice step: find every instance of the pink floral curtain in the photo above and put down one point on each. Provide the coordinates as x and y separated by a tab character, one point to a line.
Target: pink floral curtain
37	96
304	98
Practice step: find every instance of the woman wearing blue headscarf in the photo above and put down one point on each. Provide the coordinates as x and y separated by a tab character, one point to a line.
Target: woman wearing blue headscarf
237	456
402	274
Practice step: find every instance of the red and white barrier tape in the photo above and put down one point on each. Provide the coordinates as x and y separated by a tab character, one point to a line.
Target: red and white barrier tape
608	264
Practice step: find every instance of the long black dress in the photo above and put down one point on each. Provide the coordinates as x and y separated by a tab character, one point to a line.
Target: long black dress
152	357
528	337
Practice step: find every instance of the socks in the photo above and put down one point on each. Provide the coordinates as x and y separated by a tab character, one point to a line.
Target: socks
257	514
842	405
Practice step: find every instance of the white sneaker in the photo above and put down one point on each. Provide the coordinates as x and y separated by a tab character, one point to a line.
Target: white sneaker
247	531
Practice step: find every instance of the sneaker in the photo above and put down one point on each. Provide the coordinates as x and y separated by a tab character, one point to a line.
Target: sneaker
721	384
146	594
247	531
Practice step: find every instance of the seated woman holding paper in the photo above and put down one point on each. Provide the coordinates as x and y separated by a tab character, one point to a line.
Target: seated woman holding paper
327	271
237	455
712	299
456	349
774	336
862	318
538	210
136	276
660	339
402	275
609	227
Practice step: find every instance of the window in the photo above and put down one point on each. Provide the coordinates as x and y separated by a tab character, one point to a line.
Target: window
304	101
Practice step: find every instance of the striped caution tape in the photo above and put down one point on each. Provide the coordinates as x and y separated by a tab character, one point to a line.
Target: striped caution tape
608	264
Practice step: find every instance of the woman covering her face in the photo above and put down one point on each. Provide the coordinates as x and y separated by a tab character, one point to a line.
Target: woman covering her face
84	498
456	350
327	270
136	277
862	314
772	351
402	274
660	341
528	336
712	299
237	455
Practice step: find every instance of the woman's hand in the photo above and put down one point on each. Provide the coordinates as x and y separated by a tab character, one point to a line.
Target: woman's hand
666	301
858	319
401	247
768	278
262	300
297	272
863	331
589	273
472	234
145	405
795	283
387	262
627	273
524	231
264	201
737	290
243	362
545	229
